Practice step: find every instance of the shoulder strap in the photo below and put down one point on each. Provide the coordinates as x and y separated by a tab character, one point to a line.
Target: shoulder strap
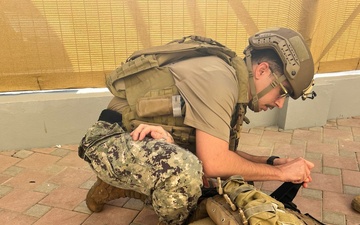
201	45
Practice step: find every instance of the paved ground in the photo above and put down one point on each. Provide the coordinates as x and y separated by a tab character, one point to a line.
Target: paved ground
49	185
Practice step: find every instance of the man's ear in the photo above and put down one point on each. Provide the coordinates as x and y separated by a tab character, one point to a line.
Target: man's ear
261	70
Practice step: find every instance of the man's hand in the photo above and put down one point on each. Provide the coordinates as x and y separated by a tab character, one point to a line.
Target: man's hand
156	132
297	171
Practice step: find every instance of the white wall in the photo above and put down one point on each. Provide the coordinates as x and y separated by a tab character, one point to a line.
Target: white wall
45	119
42	119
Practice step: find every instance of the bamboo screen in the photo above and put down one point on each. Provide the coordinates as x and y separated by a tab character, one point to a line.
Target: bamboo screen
55	44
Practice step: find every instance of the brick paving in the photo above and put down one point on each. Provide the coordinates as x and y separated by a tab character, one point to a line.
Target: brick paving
49	185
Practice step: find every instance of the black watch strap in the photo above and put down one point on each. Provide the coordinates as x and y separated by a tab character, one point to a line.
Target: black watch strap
271	159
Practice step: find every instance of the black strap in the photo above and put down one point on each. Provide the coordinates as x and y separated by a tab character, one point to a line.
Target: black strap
110	116
270	160
286	194
81	153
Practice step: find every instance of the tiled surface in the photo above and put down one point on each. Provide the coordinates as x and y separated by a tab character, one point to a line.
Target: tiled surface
49	185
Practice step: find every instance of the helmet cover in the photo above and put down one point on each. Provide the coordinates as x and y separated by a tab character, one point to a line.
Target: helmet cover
293	52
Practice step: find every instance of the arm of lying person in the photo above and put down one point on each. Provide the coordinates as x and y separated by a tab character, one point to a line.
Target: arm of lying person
156	132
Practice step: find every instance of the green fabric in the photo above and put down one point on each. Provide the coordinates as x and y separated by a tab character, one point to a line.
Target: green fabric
259	208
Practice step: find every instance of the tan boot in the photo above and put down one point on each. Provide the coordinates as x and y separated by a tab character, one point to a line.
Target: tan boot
162	223
101	192
356	203
199	213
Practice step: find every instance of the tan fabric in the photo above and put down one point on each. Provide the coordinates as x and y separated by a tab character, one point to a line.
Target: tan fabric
52	44
210	90
205	221
118	104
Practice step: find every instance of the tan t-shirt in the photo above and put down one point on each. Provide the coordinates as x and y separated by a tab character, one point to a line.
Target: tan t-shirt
209	88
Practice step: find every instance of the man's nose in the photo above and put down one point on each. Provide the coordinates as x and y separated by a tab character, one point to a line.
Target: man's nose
280	102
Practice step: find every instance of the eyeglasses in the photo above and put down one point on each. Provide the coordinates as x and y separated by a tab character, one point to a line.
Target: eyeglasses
283	93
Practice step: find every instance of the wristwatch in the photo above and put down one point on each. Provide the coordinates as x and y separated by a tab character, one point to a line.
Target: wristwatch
271	159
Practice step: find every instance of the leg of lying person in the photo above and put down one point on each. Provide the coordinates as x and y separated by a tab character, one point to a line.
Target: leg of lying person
170	176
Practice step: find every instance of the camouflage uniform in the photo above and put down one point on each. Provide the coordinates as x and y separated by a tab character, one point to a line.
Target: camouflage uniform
170	175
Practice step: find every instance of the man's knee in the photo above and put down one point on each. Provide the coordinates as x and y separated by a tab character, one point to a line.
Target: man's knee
174	198
175	207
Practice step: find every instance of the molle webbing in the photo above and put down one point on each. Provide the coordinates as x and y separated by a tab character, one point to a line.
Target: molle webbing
237	121
257	207
253	93
145	77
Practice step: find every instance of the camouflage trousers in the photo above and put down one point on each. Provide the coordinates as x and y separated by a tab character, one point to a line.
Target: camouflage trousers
169	175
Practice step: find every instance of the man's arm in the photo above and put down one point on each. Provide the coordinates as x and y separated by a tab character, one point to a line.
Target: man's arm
262	159
253	158
219	161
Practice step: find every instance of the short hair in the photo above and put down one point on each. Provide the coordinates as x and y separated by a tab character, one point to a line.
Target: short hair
269	56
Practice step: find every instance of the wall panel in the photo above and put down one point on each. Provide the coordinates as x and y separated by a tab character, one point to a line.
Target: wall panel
56	44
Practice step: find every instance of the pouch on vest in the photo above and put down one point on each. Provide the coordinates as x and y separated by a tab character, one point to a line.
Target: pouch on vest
221	213
159	106
252	206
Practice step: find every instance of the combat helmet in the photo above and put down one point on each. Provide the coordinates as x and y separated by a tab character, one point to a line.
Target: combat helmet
294	54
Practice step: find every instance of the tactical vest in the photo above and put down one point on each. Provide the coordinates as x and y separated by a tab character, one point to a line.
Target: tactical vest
240	203
148	85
